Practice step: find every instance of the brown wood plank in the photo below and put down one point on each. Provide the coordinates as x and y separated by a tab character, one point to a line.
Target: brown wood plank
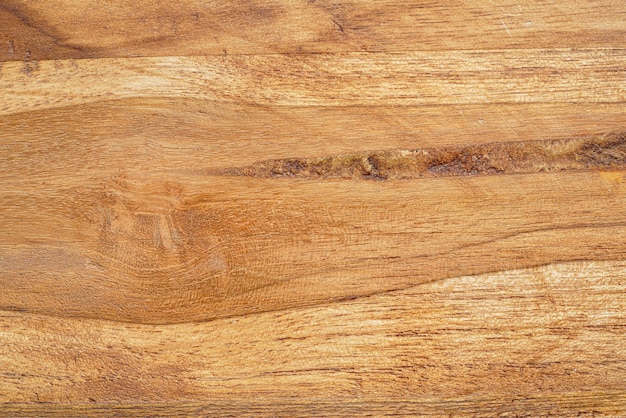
61	29
584	405
358	79
166	247
196	135
543	340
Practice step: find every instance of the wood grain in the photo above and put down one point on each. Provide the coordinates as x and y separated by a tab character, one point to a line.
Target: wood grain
177	250
358	79
61	29
540	332
312	208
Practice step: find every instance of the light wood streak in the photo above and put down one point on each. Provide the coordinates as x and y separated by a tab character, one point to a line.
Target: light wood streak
356	79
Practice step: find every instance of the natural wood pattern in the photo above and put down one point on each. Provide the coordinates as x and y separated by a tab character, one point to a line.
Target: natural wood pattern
312	208
193	134
416	79
178	249
584	405
35	30
540	333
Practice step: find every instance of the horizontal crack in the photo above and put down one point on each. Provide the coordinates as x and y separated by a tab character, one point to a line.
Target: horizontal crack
525	157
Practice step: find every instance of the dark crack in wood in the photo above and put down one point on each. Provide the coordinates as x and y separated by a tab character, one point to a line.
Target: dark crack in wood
607	151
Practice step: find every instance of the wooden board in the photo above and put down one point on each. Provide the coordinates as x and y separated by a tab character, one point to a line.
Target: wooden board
312	208
55	29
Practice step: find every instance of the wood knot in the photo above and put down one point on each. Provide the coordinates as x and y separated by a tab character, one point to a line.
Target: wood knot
148	229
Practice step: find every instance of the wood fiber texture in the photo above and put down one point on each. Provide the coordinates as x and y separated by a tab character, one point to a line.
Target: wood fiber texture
312	208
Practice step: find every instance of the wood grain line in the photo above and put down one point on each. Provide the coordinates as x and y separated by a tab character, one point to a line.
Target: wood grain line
581	404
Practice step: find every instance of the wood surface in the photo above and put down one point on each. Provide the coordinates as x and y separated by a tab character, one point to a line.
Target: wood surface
312	208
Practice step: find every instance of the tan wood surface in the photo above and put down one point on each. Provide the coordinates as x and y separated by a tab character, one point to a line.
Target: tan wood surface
312	208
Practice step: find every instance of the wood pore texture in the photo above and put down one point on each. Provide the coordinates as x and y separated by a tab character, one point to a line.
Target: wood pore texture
312	208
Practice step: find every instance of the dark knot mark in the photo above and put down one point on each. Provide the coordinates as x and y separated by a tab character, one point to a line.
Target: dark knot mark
606	151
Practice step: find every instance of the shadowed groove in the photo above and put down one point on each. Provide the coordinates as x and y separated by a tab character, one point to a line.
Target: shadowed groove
606	151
